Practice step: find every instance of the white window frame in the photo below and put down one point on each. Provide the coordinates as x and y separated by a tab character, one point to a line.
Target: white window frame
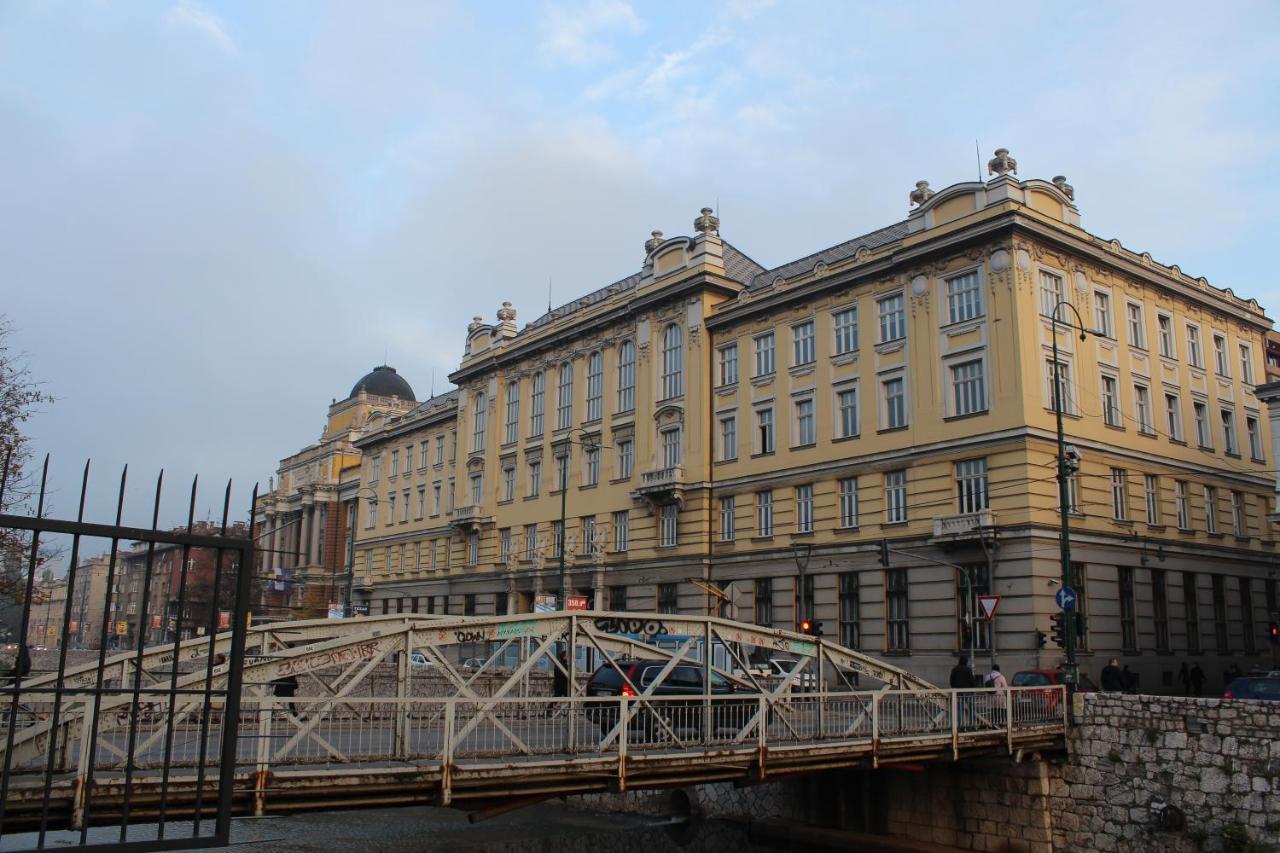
1195	354
1165	335
534	472
1239	514
621	530
564	396
1204	430
1136	324
626	458
846	421
971	485
806	421
765	347
1253	428
1182	504
1211	509
1119	494
1151	498
537	404
478	420
670	441
764	512
726	518
892	313
509	481
844	323
513	413
591	464
895	496
626	376
1173	414
766	430
1103	319
595	386
804	343
672	362
1112	415
964	296
1052	290
1142	408
727	364
968	393
891	403
1246	364
804	508
728	436
847	489
1230	439
1221	361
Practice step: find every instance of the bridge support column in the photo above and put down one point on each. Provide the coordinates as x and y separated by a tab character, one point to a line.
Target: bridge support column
263	769
401	733
85	763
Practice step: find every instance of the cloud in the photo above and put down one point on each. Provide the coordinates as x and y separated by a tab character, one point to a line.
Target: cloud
191	16
576	36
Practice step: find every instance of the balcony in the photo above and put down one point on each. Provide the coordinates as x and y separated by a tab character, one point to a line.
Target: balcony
661	485
964	527
468	517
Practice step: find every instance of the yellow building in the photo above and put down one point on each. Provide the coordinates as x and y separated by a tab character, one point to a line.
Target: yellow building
744	440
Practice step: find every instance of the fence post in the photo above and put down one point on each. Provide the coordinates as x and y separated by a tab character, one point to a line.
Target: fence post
84	763
622	745
875	729
762	734
1008	717
263	769
401	746
446	762
955	729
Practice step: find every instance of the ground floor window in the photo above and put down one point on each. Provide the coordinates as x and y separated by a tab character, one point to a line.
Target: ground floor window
764	601
850	607
897	611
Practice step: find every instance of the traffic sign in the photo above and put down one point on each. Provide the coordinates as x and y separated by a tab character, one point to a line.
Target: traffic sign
987	605
1066	598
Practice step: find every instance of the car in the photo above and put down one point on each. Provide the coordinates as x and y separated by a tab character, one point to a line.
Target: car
1265	689
781	667
1046	700
472	664
682	680
420	661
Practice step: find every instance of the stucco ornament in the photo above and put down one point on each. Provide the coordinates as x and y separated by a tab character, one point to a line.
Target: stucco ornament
1002	163
506	313
919	286
1060	181
654	241
706	223
999	260
921	193
1024	260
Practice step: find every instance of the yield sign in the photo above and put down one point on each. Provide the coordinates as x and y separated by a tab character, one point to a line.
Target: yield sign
987	605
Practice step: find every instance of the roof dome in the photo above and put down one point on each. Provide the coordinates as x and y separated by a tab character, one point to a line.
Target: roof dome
383	381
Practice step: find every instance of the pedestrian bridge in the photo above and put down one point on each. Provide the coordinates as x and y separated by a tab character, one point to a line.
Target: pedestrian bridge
385	713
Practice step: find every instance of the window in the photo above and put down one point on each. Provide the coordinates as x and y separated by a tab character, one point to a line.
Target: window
667	598
1062	386
1246	615
564	397
850	607
964	297
1173	416
530	541
893	318
764	428
621	530
1229	432
968	388
1201	413
1220	363
669	524
898	613
537	399
478	424
591	461
618	599
1182	503
557	538
509	482
846	330
372	518
804	600
848	490
477	489
1164	323
587	524
728	437
439	450
1238	519
895	403
672	362
971	486
1246	364
1255	437
391	508
802	343
726	518
895	496
1050	292
1102	314
1194	356
473	547
504	544
1151	491
804	509
562	471
512	425
979	637
626	457
1219	591
764	354
847	402
422	454
1160	608
1142	408
1128	621
1119	494
764	601
1110	401
764	513
595	385
453	445
395	462
1191	611
535	477
728	358
435	498
805	429
626	376
422	502
1210	509
671	447
1137	328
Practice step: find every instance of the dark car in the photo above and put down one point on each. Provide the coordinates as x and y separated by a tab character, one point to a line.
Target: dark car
1047	700
682	680
1262	689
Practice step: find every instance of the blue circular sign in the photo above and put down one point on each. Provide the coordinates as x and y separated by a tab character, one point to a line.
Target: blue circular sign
1066	598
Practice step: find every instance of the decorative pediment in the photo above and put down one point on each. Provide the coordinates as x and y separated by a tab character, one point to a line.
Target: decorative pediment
669	415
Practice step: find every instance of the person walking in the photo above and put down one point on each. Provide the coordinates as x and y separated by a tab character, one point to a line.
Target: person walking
1184	678
1112	680
962	678
559	684
1197	679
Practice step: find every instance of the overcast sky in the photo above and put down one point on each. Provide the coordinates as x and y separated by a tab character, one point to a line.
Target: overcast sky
214	218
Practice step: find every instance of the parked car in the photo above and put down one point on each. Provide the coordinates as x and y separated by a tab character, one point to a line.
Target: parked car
682	680
420	661
472	664
780	667
1046	700
1266	689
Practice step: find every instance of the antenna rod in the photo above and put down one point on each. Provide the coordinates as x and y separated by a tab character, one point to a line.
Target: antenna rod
977	152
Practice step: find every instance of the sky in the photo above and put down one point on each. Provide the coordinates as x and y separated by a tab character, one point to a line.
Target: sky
216	217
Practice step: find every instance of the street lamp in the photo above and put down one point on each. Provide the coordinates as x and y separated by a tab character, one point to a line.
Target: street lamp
1066	466
351	545
588	446
801	551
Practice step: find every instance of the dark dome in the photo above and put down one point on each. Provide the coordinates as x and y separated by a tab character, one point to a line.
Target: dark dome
383	381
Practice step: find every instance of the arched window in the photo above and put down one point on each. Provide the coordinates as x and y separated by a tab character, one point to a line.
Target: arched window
595	385
537	402
564	397
627	376
477	435
672	363
513	413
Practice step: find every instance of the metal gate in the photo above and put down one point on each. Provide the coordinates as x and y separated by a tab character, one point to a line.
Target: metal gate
177	602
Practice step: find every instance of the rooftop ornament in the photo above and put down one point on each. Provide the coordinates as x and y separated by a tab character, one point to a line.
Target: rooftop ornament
706	223
1002	163
1060	181
921	193
654	241
506	313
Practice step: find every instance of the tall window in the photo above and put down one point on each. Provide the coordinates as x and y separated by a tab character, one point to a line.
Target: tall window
671	447
1160	608
670	517
964	297
509	482
1246	616
1201	414
1255	437
557	538
1194	357
1219	591
1119	494
850	611
804	509
1142	408
895	496
979	575
562	470
1182	502
971	486
726	518
1229	444
395	463
422	454
1110	401
668	601
621	530
530	541
1137	327
846	330
895	403
391	508
1210	509
1191	611
1239	523
1063	386
764	601
764	512
626	459
1221	365
672	362
473	547
591	461
728	362
728	437
847	401
1102	314
764	354
536	403
898	611
478	423
764	428
535	477
1246	364
626	376
968	388
802	348
504	544
513	413
477	489
1173	416
1073	492
806	432
1050	292
1128	620
595	385
848	489
439	451
1164	325
564	397
893	318
1151	493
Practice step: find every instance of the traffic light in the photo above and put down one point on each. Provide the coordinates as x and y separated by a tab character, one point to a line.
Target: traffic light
1273	633
884	552
1058	630
1041	639
806	627
817	629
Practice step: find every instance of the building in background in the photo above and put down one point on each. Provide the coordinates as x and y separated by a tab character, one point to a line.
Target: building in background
89	602
48	607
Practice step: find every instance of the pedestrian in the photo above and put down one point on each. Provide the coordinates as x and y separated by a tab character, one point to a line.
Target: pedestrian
286	686
1112	680
995	679
1184	678
1197	679
962	678
1130	679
